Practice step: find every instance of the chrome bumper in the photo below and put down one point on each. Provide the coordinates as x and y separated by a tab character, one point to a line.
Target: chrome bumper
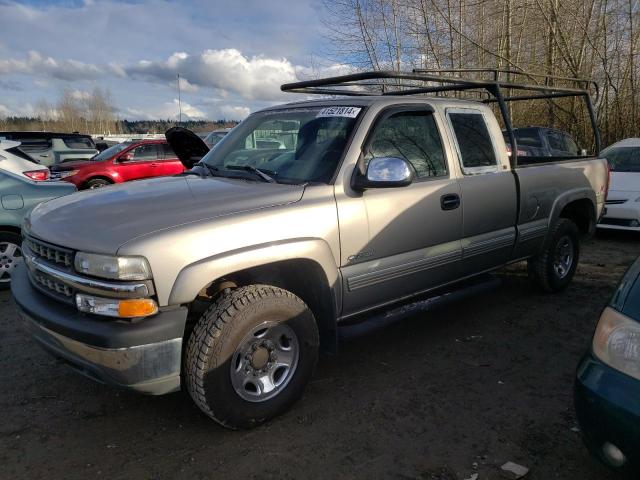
153	368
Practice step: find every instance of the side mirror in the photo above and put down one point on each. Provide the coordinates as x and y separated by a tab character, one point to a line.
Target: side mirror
125	157
583	152
384	172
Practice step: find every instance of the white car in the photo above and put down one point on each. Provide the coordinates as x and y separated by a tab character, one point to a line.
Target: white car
15	161
622	210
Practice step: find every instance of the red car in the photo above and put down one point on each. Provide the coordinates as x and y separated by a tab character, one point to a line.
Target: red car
121	163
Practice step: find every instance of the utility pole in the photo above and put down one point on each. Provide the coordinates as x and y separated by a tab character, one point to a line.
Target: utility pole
179	101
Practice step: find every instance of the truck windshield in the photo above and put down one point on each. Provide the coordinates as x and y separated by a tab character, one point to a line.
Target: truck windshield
294	145
623	159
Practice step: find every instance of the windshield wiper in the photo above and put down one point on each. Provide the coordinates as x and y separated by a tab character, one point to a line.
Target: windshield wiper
212	170
249	168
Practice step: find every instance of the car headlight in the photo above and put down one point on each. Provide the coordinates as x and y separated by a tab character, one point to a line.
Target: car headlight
116	268
66	173
617	342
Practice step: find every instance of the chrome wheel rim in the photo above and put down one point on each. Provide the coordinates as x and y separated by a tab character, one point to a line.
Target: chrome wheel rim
10	258
93	186
563	258
264	361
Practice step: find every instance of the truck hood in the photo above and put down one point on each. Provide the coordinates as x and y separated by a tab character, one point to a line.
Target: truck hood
102	220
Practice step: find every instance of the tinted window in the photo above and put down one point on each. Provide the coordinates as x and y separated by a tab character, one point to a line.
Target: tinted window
623	159
556	141
474	142
571	145
145	152
79	142
34	144
413	136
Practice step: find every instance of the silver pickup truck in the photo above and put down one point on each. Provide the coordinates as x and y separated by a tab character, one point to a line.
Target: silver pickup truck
229	278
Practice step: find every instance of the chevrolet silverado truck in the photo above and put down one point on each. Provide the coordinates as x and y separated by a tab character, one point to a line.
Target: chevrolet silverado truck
228	279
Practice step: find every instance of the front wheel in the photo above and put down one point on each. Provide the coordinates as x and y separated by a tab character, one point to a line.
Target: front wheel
97	183
10	257
250	355
553	269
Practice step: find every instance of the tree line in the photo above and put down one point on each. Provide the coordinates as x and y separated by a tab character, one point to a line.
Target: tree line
94	113
596	39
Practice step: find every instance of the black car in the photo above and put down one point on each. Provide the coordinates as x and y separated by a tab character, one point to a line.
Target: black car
544	142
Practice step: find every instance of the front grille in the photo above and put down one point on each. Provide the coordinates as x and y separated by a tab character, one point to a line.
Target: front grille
49	285
615	202
50	253
620	222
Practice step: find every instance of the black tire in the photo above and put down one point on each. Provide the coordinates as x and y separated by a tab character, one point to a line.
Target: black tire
549	269
219	335
97	183
10	256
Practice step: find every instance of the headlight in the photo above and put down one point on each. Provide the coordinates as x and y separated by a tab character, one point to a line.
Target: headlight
617	342
116	268
111	307
66	173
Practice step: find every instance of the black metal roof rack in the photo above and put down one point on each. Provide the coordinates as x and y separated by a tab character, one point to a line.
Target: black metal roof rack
492	83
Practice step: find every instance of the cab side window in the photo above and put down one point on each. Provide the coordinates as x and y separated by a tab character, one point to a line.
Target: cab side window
413	136
475	146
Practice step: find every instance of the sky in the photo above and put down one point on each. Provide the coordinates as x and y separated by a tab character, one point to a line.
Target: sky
232	56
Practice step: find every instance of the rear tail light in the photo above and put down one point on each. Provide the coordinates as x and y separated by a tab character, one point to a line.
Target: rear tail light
38	175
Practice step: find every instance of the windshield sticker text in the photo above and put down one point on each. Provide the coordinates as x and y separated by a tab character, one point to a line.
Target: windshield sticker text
348	112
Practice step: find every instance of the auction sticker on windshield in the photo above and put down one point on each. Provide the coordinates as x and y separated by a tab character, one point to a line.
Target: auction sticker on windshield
349	112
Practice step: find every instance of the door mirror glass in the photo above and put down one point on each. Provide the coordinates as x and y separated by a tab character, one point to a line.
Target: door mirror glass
126	157
385	172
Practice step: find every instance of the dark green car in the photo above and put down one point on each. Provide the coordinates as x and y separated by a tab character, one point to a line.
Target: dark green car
607	390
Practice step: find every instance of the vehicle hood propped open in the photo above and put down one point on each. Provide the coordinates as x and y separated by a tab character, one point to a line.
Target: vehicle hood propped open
188	147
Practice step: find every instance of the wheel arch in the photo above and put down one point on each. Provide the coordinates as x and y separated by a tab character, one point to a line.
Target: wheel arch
305	268
579	206
98	177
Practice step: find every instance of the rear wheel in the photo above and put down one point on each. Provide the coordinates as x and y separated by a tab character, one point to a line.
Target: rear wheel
250	355
10	257
97	183
553	269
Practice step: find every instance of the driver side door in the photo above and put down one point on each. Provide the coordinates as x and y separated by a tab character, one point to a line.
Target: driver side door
396	242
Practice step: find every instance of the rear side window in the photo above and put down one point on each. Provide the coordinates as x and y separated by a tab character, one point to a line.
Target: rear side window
168	151
475	146
79	142
34	144
414	136
556	142
145	152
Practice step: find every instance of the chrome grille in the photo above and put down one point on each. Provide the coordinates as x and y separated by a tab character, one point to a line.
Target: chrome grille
51	286
50	253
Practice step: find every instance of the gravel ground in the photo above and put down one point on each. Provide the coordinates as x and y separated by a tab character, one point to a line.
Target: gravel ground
441	395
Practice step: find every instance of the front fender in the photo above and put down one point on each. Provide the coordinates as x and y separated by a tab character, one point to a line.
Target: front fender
196	276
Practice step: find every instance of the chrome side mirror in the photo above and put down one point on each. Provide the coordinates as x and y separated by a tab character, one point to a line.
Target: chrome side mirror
384	172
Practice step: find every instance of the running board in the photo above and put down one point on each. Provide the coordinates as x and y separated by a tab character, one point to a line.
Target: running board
384	319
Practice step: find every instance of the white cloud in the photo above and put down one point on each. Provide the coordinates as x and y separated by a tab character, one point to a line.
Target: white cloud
230	112
227	70
38	65
4	111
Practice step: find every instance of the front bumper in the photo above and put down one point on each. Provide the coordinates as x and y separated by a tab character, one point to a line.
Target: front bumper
625	216
144	356
608	409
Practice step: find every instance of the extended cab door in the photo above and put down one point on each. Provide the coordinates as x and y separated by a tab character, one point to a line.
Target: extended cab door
396	242
489	196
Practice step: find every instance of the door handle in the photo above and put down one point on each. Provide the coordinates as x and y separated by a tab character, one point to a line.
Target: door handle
450	201
154	164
